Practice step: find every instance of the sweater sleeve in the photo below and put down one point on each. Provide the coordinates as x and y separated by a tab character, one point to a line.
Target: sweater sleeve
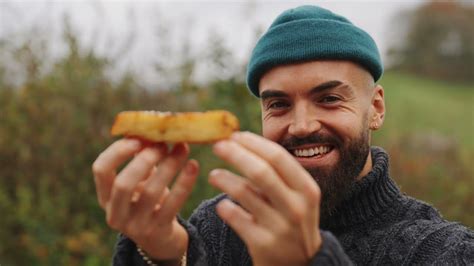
331	252
451	245
205	232
204	236
126	252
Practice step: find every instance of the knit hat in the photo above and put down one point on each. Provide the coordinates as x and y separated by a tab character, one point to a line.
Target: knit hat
308	33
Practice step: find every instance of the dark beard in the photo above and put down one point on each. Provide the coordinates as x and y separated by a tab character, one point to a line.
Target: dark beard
336	182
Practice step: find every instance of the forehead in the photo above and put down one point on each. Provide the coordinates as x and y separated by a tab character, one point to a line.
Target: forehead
303	76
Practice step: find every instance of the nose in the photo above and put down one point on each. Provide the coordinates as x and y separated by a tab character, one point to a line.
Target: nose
304	122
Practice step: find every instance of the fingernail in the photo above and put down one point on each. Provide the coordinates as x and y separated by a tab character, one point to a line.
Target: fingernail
236	135
214	177
215	172
190	167
134	143
219	146
225	205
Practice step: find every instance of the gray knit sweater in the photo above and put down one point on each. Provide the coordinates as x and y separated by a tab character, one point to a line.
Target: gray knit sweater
377	226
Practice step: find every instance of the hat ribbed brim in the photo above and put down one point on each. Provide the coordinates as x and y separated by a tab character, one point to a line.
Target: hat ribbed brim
309	40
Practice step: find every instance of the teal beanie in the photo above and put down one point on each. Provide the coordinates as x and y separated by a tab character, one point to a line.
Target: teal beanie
308	33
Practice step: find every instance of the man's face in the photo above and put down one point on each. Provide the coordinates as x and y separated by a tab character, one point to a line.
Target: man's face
320	112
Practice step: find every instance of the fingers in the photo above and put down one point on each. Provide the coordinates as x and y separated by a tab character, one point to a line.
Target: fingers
125	183
292	192
179	193
240	221
241	190
143	184
104	167
258	171
312	221
160	179
285	165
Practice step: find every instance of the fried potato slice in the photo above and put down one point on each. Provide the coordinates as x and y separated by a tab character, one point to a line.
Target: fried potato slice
190	127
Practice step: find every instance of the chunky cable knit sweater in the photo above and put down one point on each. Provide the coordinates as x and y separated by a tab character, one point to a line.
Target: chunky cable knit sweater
377	226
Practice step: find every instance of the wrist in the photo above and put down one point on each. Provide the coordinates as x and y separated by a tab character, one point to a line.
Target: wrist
172	249
151	262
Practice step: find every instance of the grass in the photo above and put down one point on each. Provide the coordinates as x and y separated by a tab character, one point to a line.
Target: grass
428	133
423	106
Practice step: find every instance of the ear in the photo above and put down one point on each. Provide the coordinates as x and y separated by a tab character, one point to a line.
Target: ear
377	108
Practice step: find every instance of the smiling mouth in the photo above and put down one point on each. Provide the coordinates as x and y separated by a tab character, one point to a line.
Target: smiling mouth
316	151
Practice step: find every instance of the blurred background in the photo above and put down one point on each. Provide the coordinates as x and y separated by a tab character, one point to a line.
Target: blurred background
66	69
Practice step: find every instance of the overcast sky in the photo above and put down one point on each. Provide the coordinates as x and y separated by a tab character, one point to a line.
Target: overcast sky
106	25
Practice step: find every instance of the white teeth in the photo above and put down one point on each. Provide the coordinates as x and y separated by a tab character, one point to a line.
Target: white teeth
317	151
311	152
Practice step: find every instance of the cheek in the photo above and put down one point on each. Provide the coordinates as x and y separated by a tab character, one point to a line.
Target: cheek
346	125
273	129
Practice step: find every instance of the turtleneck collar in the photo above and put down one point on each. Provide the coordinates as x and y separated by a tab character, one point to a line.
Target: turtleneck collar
373	194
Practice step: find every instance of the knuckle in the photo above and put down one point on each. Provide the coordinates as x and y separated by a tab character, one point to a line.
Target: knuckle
276	156
98	169
296	213
267	241
284	229
240	191
313	195
259	172
149	192
120	187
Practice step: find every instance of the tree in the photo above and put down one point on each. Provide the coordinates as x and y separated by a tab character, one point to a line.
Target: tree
438	41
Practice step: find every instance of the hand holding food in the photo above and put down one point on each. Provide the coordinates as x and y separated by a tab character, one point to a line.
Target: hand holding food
278	200
137	200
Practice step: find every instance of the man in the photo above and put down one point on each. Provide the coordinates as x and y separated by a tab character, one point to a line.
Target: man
311	191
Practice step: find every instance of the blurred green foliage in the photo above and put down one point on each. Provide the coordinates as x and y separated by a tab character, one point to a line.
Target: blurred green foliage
55	123
52	128
428	133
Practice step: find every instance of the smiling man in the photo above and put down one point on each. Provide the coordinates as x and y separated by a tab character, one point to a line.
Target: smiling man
322	118
311	191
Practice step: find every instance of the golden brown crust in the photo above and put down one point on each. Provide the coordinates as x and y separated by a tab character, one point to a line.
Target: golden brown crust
190	127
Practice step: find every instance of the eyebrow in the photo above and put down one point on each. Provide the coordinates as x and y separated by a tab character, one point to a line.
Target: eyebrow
317	89
325	86
272	94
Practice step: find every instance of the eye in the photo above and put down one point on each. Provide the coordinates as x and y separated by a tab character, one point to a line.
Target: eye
330	99
277	105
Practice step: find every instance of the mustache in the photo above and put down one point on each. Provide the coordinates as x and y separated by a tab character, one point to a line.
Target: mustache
317	138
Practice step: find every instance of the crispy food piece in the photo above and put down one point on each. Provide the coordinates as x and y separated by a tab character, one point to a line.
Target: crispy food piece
190	127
